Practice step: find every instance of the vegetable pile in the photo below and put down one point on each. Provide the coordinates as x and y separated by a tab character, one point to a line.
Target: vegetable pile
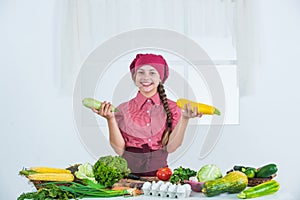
209	178
238	178
265	171
87	189
79	181
111	177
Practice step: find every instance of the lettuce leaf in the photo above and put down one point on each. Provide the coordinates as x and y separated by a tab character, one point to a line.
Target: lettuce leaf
110	169
85	171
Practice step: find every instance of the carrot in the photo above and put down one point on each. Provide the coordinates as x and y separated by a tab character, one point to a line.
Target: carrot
120	188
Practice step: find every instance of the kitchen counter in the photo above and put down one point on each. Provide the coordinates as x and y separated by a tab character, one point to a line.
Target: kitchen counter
280	195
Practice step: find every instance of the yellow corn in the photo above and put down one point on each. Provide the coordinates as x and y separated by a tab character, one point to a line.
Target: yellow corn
51	177
49	170
202	108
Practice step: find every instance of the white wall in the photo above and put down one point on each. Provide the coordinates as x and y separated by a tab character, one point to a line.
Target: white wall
37	119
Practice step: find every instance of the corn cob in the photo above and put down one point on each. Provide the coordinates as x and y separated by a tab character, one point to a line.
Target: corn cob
202	108
51	177
49	170
89	102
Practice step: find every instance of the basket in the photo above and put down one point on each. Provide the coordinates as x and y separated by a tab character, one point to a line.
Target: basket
38	184
256	181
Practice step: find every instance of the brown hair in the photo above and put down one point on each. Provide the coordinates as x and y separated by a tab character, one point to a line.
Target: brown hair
163	98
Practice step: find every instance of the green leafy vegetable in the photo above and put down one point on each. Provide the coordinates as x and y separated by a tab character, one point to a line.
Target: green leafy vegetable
48	192
85	171
209	172
180	174
110	169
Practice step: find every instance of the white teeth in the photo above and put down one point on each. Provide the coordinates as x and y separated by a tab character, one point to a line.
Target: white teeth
146	84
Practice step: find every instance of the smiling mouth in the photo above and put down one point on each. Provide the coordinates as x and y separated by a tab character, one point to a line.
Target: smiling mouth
146	84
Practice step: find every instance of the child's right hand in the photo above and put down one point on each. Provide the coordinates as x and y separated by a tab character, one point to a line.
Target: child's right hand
104	110
188	112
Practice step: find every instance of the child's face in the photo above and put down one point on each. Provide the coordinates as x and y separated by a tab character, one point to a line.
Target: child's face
147	79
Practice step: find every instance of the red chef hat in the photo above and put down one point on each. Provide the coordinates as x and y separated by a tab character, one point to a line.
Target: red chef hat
156	61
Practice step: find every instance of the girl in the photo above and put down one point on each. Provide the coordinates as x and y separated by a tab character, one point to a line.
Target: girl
149	126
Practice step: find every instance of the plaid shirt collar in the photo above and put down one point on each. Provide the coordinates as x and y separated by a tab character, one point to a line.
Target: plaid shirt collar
141	99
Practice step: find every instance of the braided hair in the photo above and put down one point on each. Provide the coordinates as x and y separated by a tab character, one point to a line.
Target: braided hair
163	98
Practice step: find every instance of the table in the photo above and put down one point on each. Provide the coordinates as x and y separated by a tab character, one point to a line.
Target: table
280	195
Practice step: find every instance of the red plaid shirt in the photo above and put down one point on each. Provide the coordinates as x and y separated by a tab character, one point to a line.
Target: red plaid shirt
143	120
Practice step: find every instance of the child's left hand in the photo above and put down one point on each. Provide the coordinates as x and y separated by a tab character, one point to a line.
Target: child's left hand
188	112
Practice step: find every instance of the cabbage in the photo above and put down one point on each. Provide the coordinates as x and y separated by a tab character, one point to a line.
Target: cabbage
209	172
85	171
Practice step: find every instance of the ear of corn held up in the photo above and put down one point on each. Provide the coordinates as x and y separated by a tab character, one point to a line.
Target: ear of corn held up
202	108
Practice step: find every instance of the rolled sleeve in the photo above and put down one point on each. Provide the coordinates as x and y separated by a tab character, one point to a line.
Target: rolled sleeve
176	113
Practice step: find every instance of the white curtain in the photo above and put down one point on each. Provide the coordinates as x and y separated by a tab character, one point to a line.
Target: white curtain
86	24
248	43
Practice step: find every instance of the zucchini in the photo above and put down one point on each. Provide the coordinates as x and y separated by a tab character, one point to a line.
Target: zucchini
233	182
266	171
262	189
202	108
90	102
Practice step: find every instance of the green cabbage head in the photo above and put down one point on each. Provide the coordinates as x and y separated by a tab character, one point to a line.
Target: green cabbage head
85	171
209	172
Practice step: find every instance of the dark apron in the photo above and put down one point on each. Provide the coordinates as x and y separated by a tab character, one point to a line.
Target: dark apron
145	161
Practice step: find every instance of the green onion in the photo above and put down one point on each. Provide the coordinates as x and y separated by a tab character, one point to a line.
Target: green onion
89	191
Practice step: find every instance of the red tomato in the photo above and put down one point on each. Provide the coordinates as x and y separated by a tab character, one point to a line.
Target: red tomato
164	174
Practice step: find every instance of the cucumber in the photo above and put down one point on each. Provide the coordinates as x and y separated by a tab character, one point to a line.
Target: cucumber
266	171
239	168
262	189
250	172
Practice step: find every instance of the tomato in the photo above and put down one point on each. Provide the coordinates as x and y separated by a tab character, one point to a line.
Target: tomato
164	174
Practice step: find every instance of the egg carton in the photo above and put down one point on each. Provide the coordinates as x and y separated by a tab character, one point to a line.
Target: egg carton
166	189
